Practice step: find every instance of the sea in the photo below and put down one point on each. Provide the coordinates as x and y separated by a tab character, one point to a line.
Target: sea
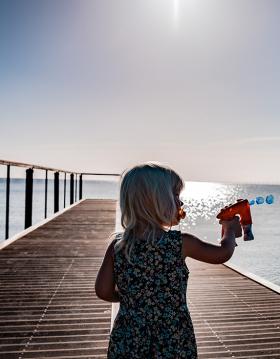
202	202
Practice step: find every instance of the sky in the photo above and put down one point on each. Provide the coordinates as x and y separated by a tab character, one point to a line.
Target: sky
103	85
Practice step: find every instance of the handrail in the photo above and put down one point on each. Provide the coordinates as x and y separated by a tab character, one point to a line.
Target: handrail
100	174
37	167
29	188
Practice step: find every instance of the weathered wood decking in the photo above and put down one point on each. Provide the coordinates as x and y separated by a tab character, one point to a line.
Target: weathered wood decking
48	305
233	316
49	309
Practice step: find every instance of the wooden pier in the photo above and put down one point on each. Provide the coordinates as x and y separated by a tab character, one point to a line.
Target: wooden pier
233	316
49	308
48	305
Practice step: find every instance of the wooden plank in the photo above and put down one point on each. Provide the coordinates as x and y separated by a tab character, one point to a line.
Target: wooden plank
48	305
233	316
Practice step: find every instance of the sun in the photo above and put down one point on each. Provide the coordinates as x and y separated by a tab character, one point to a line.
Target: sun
176	10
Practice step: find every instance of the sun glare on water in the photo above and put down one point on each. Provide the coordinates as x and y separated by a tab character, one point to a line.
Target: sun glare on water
203	200
202	190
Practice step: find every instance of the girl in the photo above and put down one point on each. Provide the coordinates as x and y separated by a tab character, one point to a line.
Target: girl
144	267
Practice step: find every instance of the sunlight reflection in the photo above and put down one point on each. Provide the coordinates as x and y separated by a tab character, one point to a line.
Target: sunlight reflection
199	190
203	201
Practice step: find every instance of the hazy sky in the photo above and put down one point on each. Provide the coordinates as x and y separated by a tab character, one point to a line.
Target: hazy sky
101	85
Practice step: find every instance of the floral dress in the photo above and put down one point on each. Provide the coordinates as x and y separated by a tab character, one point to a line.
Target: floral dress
153	319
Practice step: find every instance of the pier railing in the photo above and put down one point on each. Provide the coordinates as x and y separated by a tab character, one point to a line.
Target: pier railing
73	188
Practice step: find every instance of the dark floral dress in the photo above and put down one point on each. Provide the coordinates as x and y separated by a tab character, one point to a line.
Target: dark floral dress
153	320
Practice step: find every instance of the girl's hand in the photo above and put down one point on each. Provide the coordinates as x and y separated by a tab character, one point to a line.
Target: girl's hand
233	224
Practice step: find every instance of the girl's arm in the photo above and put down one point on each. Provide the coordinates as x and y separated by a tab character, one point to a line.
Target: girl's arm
210	253
105	286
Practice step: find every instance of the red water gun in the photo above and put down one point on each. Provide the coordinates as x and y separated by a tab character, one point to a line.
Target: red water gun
241	208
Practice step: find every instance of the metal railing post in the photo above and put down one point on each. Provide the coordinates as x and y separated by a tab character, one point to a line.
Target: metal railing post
81	187
76	187
71	188
46	193
64	189
28	197
7	202
56	192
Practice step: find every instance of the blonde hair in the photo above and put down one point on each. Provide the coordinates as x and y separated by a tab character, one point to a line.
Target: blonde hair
147	203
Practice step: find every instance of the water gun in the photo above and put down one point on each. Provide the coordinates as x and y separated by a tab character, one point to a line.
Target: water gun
241	208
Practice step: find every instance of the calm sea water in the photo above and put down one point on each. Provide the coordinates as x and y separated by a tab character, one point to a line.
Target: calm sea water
203	201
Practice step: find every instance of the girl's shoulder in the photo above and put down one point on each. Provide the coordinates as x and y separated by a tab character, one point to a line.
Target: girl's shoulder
117	236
